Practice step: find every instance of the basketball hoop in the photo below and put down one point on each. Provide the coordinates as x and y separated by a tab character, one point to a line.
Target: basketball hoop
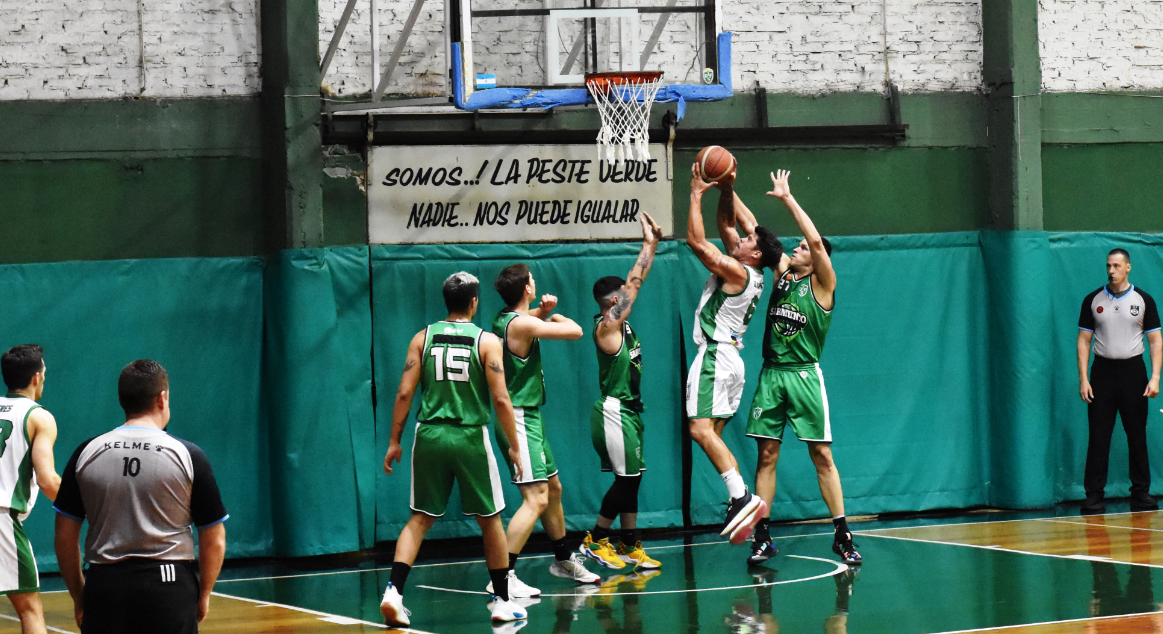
624	101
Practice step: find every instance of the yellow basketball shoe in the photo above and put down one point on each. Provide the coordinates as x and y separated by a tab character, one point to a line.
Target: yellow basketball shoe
602	552
637	557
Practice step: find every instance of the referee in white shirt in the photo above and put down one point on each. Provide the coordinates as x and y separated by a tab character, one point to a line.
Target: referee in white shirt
1114	318
141	491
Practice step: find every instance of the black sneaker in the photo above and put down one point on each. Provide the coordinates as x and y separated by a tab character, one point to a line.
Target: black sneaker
1143	503
844	547
742	515
761	552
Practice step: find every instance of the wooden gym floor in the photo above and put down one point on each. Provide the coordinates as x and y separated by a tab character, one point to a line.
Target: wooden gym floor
1051	572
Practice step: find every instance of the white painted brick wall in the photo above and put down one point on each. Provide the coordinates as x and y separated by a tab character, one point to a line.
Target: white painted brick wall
818	46
89	49
421	68
1101	44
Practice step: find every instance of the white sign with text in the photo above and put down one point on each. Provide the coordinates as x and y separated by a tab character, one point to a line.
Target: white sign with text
511	193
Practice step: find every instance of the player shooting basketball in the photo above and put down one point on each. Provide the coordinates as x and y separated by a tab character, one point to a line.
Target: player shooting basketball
715	381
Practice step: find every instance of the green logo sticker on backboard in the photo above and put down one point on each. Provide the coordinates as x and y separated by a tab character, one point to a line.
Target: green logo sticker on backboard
708	76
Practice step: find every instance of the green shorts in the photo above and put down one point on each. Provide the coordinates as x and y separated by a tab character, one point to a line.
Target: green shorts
790	395
18	572
537	463
443	453
617	435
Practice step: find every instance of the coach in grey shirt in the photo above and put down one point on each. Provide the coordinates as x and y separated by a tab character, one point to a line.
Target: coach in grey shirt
141	491
1114	319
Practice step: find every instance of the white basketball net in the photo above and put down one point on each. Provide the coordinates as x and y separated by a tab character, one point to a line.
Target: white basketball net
625	112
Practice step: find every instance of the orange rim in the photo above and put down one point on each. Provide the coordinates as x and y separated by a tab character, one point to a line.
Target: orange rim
603	82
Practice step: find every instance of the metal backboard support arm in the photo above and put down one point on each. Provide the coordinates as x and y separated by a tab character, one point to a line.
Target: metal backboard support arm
400	42
339	29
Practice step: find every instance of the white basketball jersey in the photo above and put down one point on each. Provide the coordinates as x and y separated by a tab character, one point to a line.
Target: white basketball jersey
722	317
17	481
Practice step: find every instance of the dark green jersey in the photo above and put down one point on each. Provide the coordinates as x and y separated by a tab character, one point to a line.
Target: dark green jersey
620	375
796	324
524	376
454	390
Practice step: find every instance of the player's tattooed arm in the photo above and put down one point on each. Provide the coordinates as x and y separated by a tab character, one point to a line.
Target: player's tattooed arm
496	367
409	364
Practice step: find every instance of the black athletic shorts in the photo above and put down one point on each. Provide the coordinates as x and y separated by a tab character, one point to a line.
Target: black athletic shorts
141	596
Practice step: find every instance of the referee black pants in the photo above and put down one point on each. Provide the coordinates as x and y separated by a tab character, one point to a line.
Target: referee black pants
1118	386
141	596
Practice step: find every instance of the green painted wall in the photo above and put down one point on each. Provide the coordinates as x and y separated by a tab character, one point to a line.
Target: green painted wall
130	178
1103	187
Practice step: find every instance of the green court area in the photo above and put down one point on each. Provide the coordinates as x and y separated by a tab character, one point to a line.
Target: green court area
1049	571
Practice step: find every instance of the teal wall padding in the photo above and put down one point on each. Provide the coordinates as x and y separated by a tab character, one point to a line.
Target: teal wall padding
200	318
1020	283
950	373
407	297
1078	262
318	393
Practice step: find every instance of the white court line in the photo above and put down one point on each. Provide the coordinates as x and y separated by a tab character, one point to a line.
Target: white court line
1007	550
48	627
1079	620
475	561
1129	528
840	567
324	616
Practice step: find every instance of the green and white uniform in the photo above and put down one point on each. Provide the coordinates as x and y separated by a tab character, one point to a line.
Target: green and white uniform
791	386
714	385
17	495
616	421
452	428
526	382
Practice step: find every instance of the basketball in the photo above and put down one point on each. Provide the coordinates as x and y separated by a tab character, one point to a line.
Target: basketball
715	162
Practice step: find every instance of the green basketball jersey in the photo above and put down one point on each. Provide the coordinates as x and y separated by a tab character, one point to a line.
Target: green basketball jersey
796	324
524	376
452	378
620	375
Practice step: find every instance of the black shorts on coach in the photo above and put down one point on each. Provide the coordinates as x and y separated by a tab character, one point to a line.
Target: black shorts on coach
141	596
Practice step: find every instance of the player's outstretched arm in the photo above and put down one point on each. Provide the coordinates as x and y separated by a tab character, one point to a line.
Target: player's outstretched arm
556	327
651	234
403	404
821	261
725	212
725	267
42	429
491	358
1084	389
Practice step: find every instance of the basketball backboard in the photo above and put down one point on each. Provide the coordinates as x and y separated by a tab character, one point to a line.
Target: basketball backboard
531	53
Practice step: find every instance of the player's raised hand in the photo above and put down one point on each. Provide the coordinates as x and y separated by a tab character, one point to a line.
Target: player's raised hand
651	232
395	451
779	186
727	181
698	184
548	303
515	460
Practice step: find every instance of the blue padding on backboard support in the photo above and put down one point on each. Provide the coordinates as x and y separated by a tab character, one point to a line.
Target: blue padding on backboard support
521	97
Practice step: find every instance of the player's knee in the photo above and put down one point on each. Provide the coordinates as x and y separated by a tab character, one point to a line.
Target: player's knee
554	489
701	430
768	453
821	456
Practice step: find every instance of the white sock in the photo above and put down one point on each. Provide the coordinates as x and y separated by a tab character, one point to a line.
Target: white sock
734	482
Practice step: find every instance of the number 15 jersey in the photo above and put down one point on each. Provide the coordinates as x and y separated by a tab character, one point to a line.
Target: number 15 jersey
454	388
